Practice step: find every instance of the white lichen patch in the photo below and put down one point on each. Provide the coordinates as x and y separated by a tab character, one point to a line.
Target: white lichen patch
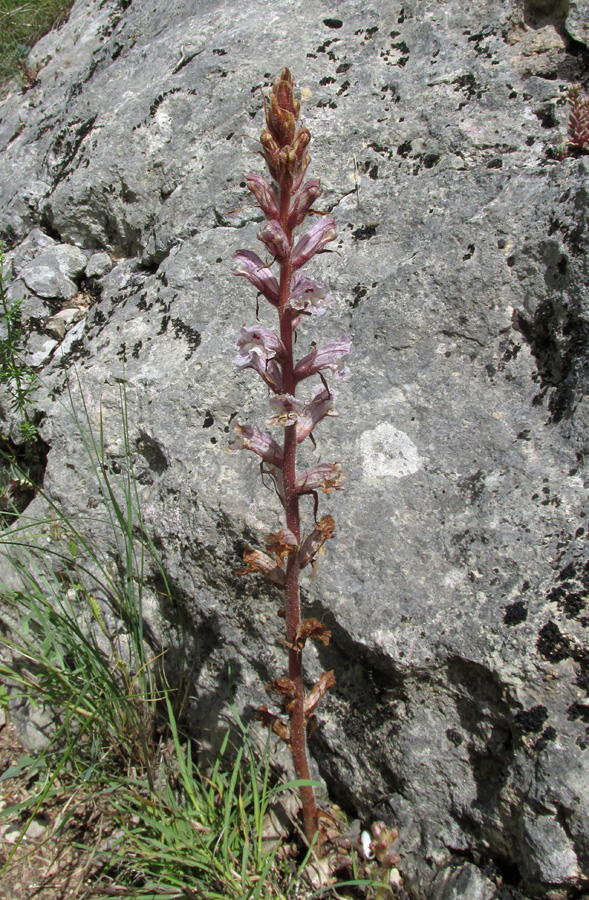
386	451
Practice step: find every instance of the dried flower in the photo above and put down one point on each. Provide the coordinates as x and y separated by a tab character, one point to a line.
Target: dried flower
327	477
256	561
322	532
281	544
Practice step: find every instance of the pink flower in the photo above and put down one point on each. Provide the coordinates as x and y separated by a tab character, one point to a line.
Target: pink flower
264	194
320	406
325	476
330	356
287	410
251	267
268	369
314	240
307	296
275	240
303	201
258	341
250	437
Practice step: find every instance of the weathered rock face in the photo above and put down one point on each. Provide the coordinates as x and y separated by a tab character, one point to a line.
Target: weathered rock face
456	586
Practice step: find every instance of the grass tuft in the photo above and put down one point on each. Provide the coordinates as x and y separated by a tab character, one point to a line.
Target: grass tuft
22	23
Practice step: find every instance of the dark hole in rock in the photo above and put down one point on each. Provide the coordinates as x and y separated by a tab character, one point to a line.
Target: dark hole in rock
22	470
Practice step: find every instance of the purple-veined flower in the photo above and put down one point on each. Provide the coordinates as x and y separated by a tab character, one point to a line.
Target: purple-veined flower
324	476
303	201
314	240
251	267
330	356
308	296
273	236
286	410
268	369
320	406
323	531
250	437
258	341
264	194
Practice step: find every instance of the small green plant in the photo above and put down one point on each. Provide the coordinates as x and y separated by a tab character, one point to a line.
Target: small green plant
66	583
204	836
19	378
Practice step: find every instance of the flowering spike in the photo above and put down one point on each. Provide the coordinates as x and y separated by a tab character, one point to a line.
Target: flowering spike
285	205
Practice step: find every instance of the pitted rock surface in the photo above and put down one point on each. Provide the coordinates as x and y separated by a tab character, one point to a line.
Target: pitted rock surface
456	586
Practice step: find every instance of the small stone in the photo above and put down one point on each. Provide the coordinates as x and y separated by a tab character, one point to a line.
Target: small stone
47	281
12	833
39	349
58	324
37	827
98	265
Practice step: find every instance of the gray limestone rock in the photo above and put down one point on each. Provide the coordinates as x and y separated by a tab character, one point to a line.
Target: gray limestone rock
45	280
98	265
456	585
462	883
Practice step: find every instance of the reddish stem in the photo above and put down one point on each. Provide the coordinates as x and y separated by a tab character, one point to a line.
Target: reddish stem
298	738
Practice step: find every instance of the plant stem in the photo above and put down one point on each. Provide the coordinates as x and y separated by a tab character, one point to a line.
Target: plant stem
298	739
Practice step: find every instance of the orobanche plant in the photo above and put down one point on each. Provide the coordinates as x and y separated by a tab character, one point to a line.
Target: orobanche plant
286	203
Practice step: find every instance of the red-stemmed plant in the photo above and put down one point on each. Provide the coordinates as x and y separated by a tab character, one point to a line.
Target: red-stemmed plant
286	203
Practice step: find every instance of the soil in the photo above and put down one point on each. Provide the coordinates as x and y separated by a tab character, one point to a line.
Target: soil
56	859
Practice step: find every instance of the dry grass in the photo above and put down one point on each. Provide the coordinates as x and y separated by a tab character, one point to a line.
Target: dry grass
22	23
